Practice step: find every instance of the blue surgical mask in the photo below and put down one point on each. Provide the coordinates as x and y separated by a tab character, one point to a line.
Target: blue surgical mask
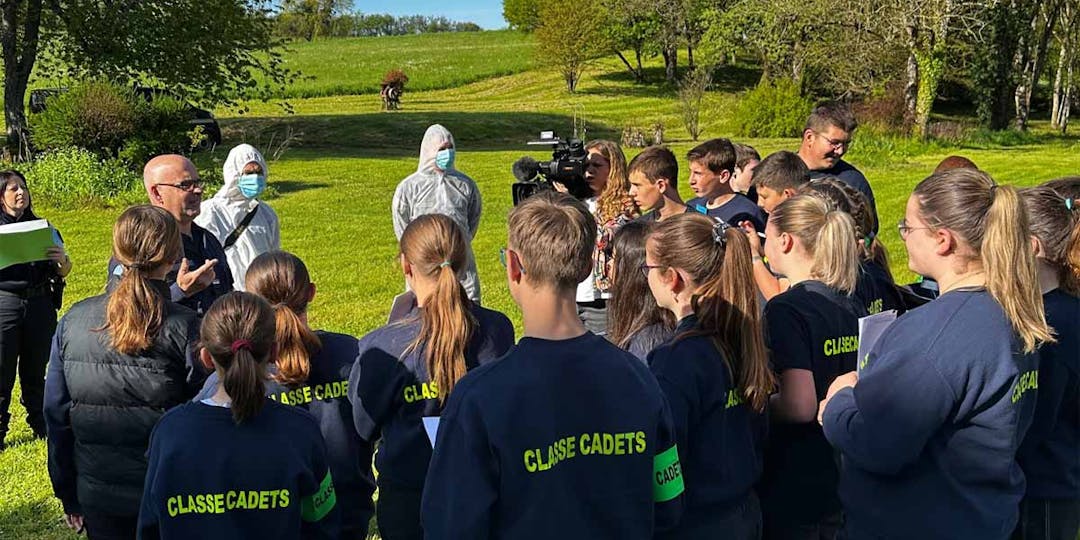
445	159
252	185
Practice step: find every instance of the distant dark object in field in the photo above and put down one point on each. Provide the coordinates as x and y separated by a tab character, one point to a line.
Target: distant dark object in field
393	85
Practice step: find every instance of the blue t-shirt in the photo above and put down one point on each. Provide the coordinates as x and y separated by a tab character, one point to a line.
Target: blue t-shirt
875	291
211	478
929	434
642	342
736	210
392	393
813	327
853	177
718	435
1050	454
558	439
325	396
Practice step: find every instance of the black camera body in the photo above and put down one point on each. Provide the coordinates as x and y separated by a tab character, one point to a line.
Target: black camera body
567	167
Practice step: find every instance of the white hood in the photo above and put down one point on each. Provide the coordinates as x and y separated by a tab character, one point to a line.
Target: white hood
434	137
238	158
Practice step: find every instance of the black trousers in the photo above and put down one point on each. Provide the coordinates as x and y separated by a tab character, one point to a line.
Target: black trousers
107	527
26	331
398	513
1048	519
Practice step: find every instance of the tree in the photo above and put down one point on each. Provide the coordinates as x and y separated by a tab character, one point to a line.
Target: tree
563	42
312	18
691	91
631	25
1033	58
211	51
1067	41
997	65
523	15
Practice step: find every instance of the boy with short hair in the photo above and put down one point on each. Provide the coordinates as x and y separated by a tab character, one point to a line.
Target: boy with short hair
654	187
746	158
712	170
546	442
778	177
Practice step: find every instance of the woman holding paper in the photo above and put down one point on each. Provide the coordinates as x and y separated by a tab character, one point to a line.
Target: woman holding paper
27	311
929	428
812	331
311	372
407	369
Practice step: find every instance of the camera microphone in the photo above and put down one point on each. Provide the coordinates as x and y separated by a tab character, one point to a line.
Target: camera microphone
525	169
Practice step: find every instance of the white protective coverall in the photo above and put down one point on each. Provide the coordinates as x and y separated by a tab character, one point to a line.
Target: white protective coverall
432	191
222	214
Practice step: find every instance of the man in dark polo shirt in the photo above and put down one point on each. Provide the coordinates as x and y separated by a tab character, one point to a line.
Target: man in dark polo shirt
825	140
172	182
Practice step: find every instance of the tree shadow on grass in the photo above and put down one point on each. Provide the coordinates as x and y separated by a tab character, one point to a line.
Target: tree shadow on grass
728	79
293	186
399	134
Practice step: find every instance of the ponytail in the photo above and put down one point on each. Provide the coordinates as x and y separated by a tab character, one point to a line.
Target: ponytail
435	246
1053	211
1009	264
827	235
283	280
238	332
990	219
719	261
145	239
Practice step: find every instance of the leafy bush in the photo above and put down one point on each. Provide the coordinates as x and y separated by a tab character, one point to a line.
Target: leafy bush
773	109
75	176
162	128
96	115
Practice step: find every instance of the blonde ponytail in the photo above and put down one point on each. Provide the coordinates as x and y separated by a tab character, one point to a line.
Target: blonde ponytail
827	235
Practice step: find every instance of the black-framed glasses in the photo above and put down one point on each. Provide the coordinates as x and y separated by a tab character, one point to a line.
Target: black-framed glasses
186	185
645	267
503	257
906	229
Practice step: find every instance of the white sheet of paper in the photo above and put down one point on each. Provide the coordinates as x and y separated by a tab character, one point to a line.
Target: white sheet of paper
431	426
870	330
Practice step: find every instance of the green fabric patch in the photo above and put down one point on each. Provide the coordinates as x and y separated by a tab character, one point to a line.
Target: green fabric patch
667	475
314	507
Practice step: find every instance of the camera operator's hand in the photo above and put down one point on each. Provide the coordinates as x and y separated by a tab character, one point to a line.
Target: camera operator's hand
560	187
196	280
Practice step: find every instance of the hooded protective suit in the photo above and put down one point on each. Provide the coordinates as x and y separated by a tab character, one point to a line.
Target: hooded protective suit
432	191
222	214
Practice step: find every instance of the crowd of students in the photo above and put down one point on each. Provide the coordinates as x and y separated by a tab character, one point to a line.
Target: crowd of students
686	370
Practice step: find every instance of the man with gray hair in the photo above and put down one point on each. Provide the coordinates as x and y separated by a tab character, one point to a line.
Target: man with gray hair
202	275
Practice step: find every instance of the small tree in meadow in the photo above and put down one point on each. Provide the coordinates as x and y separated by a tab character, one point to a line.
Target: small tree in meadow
691	91
567	41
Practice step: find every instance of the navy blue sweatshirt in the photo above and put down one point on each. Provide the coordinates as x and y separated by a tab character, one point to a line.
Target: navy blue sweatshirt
1050	453
853	177
929	434
718	435
816	328
645	340
558	439
325	396
392	393
736	210
211	478
875	291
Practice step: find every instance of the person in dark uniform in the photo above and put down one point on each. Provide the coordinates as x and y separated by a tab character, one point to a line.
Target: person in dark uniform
826	138
119	361
236	464
311	372
930	426
714	372
712	174
28	294
567	436
202	274
406	369
1050	453
813	334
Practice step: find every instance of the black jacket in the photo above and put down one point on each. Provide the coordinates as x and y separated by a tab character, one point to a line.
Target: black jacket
101	405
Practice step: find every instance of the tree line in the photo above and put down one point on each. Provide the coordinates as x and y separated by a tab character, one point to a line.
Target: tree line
310	19
1010	56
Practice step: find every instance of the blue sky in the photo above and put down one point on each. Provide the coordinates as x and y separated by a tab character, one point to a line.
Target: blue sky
486	13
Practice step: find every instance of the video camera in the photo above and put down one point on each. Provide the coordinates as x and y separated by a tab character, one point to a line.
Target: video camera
567	166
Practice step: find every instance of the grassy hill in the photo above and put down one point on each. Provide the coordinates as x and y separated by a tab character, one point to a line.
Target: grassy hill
335	184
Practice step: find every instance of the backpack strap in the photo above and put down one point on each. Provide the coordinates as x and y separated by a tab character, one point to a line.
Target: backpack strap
235	235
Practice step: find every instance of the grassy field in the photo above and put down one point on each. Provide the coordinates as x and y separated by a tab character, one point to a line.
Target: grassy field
334	187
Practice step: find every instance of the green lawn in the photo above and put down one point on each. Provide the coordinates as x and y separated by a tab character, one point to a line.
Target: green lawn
335	188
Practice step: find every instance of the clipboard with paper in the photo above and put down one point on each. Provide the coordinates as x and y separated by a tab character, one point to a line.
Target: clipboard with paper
26	242
870	330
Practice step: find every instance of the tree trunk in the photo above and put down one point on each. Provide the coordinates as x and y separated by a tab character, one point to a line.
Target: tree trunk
671	64
931	65
636	73
911	88
1055	106
1034	65
637	56
690	58
1066	101
19	57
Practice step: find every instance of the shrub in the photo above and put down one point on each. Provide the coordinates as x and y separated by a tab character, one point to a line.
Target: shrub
162	128
773	109
691	90
96	115
76	176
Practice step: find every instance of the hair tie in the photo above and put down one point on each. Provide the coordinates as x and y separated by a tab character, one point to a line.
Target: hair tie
444	264
240	344
719	230
993	188
1069	204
